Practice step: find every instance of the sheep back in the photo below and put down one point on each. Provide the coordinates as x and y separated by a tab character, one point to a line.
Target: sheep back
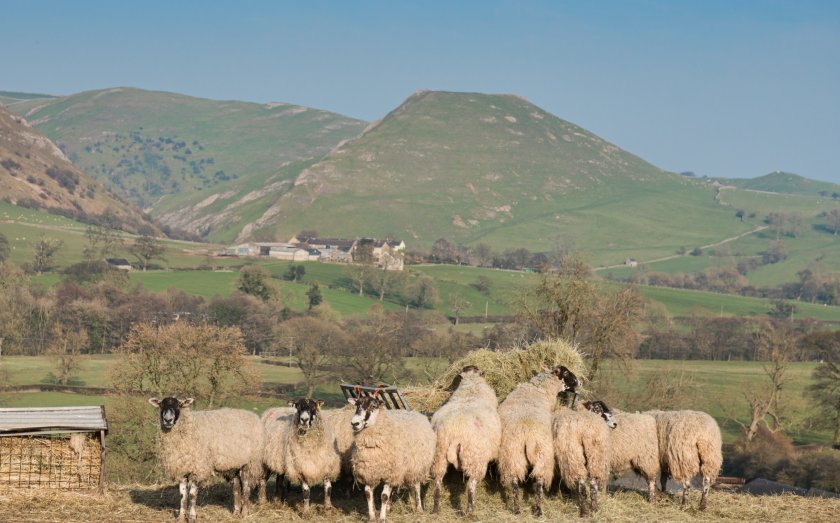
689	444
467	429
338	421
581	447
277	425
398	449
526	440
634	444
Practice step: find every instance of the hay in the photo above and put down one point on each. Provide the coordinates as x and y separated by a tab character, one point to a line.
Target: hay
503	370
50	461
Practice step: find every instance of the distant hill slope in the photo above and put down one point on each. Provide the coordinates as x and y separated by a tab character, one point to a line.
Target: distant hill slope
201	165
496	169
785	183
35	173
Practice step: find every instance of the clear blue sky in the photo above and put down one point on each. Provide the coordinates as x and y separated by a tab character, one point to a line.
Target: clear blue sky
722	88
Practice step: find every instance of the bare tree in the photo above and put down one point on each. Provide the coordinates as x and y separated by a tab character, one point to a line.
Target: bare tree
833	218
101	242
314	342
65	349
777	346
45	251
147	248
570	305
459	304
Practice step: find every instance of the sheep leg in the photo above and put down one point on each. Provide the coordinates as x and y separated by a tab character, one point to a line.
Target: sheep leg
438	487
471	496
237	495
371	506
593	495
184	490
582	496
193	500
652	490
327	492
246	493
280	489
686	486
514	486
663	480
261	488
386	501
305	487
707	483
418	498
538	509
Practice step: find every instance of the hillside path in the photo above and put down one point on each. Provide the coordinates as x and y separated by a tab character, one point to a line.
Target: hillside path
671	257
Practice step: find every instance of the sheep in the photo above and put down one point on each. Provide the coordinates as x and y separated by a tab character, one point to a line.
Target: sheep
311	456
582	453
197	445
468	432
689	444
526	431
338	421
394	447
277	425
634	443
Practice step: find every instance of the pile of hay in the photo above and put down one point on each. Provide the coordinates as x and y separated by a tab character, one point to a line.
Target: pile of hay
503	371
64	462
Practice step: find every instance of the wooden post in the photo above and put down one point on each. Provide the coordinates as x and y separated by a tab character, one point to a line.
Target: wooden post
102	455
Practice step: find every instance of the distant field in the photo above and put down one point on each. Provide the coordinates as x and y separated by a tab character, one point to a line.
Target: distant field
714	386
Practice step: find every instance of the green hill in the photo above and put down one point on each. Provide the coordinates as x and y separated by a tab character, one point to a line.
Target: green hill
786	183
35	173
497	169
199	165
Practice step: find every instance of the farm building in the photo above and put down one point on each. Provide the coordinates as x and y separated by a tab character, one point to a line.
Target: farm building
53	447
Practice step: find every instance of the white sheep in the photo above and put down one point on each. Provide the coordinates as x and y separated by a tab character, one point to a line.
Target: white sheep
277	424
468	431
338	421
526	441
689	444
311	455
582	453
194	446
393	447
634	443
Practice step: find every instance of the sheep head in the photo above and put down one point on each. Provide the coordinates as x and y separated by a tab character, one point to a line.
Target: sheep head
170	410
307	411
600	408
367	410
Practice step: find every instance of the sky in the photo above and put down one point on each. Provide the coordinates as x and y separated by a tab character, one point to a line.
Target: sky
733	88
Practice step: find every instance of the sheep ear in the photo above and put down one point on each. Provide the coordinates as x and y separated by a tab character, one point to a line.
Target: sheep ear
186	403
318	403
291	403
155	402
351	401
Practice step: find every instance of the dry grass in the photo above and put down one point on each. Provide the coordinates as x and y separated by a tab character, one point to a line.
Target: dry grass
143	503
503	370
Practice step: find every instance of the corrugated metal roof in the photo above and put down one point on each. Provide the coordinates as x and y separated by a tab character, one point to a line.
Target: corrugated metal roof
46	418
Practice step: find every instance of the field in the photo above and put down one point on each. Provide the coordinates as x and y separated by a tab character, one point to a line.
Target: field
715	387
156	503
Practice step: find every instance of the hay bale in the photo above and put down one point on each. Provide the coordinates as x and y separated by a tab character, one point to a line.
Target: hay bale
503	370
50	461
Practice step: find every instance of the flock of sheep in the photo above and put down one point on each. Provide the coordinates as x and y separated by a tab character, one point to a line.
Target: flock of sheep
527	436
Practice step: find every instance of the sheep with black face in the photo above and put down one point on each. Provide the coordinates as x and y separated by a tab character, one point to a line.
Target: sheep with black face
311	455
195	446
393	447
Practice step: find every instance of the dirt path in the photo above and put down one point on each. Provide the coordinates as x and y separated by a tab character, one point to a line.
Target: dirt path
671	257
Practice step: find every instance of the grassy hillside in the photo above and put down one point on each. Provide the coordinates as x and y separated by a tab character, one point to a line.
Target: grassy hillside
36	173
197	164
497	169
814	247
782	182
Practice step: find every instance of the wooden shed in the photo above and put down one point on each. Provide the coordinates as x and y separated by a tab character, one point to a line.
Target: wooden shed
53	447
